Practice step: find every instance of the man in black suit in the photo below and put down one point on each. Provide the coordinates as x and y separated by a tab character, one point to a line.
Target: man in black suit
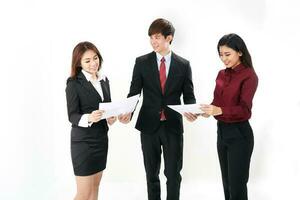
164	77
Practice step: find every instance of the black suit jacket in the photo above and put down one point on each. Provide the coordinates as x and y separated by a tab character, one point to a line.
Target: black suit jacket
82	98
146	78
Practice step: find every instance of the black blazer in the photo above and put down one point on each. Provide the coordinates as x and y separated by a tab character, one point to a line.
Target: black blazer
82	98
179	82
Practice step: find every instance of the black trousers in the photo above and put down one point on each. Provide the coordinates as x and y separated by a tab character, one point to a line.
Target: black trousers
235	146
171	144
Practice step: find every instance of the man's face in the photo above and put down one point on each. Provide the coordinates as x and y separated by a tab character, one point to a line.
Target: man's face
159	43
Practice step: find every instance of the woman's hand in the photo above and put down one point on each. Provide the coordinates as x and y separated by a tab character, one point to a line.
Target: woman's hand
111	120
95	116
211	109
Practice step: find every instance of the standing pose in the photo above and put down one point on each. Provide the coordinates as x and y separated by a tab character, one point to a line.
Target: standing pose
86	88
234	91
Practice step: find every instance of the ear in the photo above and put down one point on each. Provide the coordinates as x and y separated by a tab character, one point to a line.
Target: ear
240	53
169	38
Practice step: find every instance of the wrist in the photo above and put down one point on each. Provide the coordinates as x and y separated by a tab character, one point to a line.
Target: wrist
220	111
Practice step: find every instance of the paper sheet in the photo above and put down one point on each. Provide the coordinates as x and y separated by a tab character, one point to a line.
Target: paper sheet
120	107
192	108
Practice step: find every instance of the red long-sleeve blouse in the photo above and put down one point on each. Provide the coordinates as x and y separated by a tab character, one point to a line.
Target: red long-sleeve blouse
234	91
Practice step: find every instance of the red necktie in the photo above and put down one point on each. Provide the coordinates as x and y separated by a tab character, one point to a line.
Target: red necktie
162	78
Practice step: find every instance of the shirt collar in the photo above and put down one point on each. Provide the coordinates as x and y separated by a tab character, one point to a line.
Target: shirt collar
238	68
88	76
167	57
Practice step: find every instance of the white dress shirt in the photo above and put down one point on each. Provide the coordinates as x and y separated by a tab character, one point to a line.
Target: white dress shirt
96	83
167	61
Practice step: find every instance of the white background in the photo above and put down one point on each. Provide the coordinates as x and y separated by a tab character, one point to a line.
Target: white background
37	39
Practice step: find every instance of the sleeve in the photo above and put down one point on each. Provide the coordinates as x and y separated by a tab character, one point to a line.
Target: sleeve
72	103
84	121
188	87
248	90
214	102
136	81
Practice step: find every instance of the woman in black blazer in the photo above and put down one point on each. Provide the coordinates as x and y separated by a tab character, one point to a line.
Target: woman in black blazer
86	88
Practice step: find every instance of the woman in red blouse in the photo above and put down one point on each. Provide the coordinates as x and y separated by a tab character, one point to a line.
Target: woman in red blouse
231	106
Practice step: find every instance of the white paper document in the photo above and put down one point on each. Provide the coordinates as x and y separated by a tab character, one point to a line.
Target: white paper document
192	108
119	107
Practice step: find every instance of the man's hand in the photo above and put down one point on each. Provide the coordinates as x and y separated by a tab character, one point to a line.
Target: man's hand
190	116
125	118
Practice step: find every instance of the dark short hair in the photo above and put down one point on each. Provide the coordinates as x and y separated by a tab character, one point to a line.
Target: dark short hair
236	43
162	26
78	52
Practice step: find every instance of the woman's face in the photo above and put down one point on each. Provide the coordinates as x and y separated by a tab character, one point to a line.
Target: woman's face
229	57
90	62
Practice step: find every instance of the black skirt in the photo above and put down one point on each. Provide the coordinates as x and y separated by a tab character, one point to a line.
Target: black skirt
89	148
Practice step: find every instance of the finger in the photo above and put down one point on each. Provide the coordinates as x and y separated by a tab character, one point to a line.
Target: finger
204	109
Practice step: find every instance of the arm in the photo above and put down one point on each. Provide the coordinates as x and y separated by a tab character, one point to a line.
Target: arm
188	93
75	117
135	88
188	87
72	103
136	81
247	93
243	109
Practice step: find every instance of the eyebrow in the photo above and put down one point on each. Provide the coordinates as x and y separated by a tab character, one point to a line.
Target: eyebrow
91	57
225	52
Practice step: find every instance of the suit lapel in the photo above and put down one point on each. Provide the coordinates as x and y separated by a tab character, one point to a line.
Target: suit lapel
88	86
154	71
172	71
105	90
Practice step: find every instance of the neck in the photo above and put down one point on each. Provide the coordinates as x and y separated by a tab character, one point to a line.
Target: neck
236	65
165	52
94	76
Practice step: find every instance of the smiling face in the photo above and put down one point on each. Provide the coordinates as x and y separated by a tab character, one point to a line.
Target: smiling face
90	62
229	57
160	43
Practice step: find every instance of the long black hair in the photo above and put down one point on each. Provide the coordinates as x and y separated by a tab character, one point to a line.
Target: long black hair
236	43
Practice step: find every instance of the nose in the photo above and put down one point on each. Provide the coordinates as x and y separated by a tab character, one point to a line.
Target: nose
223	58
152	41
93	63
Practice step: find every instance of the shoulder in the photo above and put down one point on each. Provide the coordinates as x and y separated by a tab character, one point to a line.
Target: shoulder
146	57
72	83
180	59
71	80
250	73
221	74
222	71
